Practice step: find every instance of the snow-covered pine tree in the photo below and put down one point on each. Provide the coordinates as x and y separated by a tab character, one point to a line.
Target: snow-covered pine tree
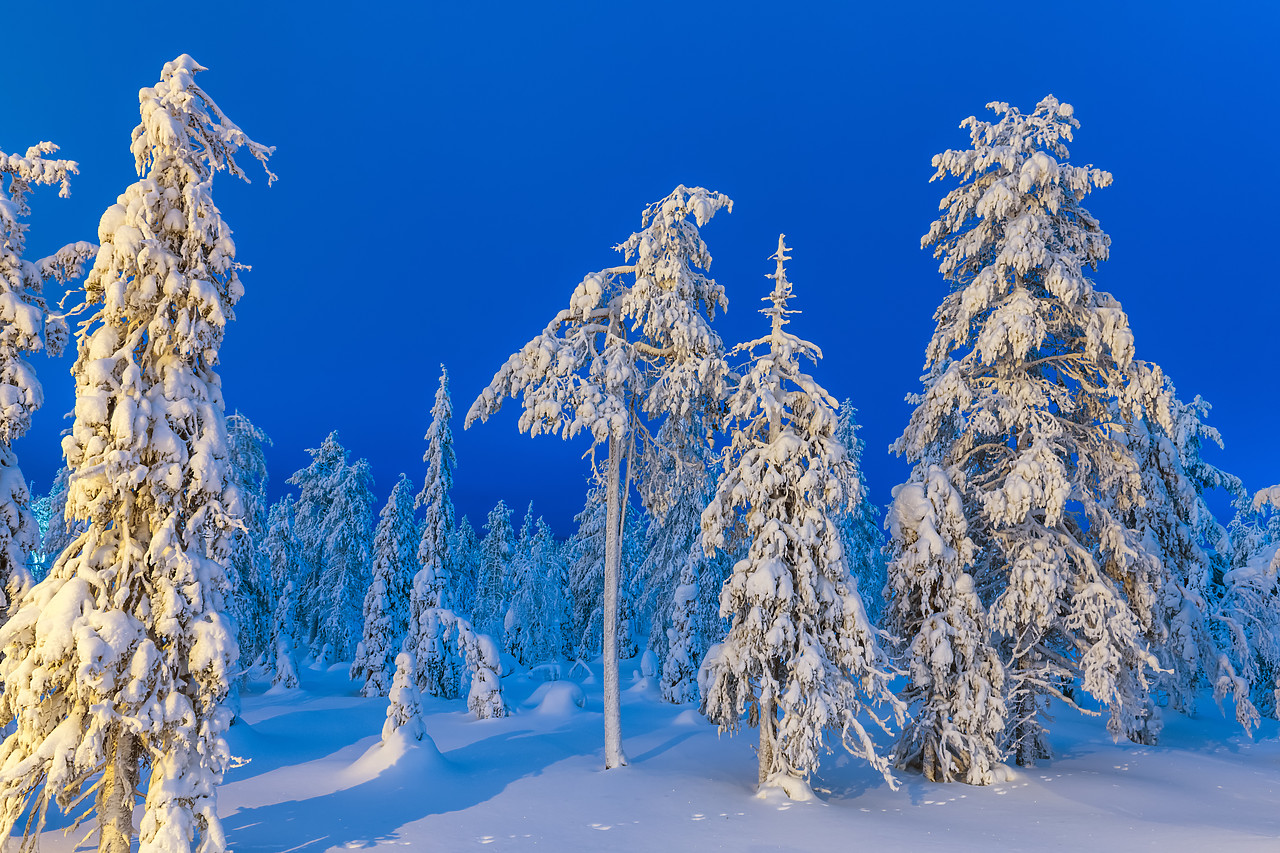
63	528
497	550
433	549
248	571
586	578
284	637
679	683
860	528
386	603
956	689
1196	642
1249	596
116	665
523	595
634	527
346	562
1031	379
680	481
621	353
548	632
533	624
26	326
280	547
316	484
801	657
464	556
404	710
444	560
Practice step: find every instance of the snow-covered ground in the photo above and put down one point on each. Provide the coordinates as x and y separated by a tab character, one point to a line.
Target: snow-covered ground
317	779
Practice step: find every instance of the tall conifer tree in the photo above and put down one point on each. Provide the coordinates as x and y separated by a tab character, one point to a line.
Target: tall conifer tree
118	662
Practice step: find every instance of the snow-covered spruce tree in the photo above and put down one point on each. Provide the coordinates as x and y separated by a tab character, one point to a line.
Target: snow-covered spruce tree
955	695
434	585
533	628
116	665
1031	380
464	557
497	550
316	487
548	633
26	326
280	547
679	683
284	637
801	657
346	562
1249	596
1196	642
681	471
404	710
618	355
248	571
63	528
586	578
523	595
634	527
860	527
386	603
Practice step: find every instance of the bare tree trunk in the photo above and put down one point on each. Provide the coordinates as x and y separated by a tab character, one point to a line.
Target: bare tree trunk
768	715
613	754
116	796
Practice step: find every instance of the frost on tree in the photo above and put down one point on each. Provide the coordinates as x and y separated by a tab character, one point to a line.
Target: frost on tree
317	484
620	356
116	665
860	527
251	590
801	658
1030	382
1197	641
26	326
955	692
345	562
386	603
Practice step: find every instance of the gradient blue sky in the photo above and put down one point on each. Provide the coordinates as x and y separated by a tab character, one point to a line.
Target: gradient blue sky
448	172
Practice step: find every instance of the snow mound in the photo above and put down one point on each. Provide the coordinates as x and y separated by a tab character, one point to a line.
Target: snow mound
649	664
643	685
689	718
557	698
400	751
784	784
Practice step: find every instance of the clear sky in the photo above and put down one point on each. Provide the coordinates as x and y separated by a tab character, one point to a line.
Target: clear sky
448	172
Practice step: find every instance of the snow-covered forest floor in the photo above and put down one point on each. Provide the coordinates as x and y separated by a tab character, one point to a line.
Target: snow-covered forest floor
317	779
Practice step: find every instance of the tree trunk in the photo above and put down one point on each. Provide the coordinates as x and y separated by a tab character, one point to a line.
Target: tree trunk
613	754
116	796
768	715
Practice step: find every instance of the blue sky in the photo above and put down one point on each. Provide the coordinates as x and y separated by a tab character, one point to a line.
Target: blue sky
448	172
